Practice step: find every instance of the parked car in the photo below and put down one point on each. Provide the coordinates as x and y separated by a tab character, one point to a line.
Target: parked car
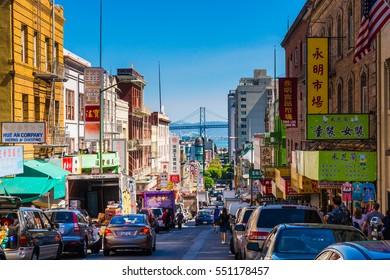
151	218
357	250
243	215
204	216
303	241
187	214
266	217
78	234
2	254
158	213
29	234
131	232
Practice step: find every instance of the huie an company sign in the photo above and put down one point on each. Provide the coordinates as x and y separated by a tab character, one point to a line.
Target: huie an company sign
23	132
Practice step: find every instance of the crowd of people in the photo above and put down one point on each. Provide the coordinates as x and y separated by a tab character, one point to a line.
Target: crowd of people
338	213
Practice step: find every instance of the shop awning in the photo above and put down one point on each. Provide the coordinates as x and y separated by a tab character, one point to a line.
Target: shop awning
38	178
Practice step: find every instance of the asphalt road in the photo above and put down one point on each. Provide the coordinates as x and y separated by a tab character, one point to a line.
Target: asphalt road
190	243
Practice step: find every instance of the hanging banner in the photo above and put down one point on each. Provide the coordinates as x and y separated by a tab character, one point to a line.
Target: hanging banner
266	153
317	75
338	126
93	78
288	101
174	159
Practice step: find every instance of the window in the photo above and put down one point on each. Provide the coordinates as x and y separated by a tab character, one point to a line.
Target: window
243	112
243	106
364	92
304	54
25	107
243	132
69	107
387	82
243	92
296	57
47	109
37	108
23	43
47	53
339	98
243	119
35	49
243	99
330	26
81	109
243	126
339	35
350	95
350	25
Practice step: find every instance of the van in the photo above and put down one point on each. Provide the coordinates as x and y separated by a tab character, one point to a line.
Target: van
26	232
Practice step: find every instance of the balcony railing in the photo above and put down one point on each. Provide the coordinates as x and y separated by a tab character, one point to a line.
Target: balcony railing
50	70
141	111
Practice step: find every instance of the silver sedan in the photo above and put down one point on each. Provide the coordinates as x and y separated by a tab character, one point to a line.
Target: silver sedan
131	232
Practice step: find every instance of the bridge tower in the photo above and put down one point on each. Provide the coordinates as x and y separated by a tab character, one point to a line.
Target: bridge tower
202	122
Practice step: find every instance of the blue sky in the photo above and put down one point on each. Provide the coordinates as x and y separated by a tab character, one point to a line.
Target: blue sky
204	47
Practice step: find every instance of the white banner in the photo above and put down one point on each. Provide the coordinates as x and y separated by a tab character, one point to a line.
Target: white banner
23	132
174	155
11	160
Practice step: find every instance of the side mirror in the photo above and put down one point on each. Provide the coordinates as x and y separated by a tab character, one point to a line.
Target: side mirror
239	227
253	247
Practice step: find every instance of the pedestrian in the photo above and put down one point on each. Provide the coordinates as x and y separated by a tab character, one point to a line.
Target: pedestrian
223	224
358	217
179	219
339	214
167	219
216	218
386	226
369	216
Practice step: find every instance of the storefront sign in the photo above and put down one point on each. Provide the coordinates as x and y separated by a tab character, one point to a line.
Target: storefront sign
174	158
317	75
23	132
265	157
288	101
338	126
72	164
11	160
266	186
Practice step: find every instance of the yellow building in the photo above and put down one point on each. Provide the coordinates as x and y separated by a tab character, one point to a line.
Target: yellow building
31	73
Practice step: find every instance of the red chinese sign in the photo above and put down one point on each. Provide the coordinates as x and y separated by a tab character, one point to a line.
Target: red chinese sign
288	101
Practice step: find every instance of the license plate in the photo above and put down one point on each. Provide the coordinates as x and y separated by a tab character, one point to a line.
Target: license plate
127	233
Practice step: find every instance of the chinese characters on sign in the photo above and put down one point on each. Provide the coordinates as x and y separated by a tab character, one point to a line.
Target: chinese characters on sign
23	132
265	157
288	101
93	84
11	160
317	75
174	158
336	127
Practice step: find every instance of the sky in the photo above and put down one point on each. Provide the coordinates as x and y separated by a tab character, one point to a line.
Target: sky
203	47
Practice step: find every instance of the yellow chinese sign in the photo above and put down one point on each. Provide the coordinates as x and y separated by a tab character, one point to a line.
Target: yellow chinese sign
317	75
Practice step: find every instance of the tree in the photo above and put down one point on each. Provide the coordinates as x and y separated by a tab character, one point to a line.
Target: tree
208	182
215	173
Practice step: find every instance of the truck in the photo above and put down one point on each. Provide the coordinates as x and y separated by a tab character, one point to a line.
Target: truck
228	194
102	195
159	199
190	203
203	197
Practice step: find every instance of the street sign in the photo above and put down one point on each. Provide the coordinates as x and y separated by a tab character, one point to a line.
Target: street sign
255	174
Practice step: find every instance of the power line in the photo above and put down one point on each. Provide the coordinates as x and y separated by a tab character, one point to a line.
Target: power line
215	114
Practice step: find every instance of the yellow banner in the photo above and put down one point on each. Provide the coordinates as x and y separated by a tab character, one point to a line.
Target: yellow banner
317	75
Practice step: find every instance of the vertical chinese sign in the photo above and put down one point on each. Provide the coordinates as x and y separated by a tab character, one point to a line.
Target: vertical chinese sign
288	100
93	78
174	159
266	153
317	75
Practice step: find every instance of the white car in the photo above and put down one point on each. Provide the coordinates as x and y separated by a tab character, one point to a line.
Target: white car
158	212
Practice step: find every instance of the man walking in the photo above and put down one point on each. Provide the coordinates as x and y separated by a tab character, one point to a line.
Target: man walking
167	219
339	214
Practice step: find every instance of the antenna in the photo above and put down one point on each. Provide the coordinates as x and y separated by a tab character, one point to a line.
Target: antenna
159	86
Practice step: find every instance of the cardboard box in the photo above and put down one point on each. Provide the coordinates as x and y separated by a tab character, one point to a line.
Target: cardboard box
74	203
111	212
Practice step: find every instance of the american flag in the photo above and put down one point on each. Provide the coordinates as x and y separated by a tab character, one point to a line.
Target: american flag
376	13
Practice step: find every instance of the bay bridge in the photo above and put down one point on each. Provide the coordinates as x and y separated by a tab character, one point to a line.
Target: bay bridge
202	126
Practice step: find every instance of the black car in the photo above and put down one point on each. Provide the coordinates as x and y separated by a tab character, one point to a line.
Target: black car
2	254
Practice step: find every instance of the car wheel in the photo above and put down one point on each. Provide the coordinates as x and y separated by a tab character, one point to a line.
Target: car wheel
148	251
59	251
106	252
96	247
84	249
35	255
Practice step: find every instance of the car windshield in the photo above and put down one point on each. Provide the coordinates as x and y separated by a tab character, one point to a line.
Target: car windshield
312	240
269	218
61	217
127	220
204	213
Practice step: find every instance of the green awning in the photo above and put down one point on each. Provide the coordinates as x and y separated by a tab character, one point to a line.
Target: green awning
38	178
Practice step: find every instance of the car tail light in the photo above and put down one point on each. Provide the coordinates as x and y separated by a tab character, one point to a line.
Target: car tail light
22	240
160	218
257	235
107	231
144	231
76	226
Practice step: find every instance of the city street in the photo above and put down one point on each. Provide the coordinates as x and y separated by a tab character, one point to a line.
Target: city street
190	243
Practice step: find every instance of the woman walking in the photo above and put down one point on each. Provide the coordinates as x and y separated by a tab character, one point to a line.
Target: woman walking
223	223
